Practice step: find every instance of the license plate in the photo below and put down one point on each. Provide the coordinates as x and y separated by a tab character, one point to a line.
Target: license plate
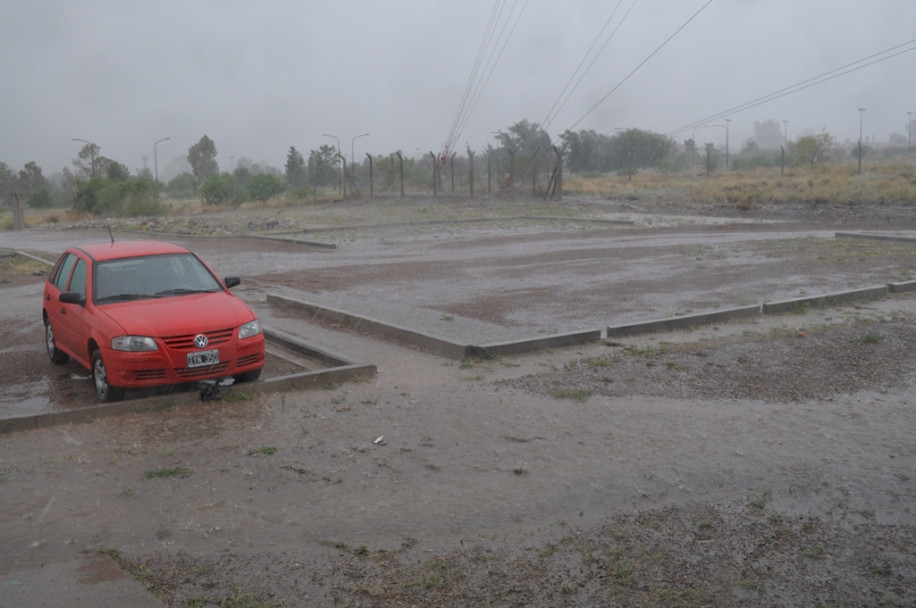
204	357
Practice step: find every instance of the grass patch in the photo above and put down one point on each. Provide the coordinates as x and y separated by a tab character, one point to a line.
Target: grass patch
166	473
576	394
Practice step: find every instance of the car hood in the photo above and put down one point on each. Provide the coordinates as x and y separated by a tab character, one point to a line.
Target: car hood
179	314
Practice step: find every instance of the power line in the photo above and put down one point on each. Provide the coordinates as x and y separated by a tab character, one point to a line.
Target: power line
489	53
570	87
804	84
642	63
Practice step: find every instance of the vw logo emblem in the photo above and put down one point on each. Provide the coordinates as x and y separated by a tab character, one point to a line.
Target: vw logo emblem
201	341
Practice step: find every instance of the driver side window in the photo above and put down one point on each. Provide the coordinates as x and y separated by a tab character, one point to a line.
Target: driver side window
60	281
78	282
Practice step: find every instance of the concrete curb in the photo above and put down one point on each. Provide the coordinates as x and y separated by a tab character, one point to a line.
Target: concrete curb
875	237
427	342
902	287
840	297
341	370
684	321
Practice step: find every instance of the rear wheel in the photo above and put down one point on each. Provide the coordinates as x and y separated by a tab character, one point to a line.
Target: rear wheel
103	389
57	356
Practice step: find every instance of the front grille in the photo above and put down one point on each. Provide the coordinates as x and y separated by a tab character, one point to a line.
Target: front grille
198	372
249	359
186	342
150	374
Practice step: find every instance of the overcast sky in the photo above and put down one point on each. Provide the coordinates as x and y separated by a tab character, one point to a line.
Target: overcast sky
259	77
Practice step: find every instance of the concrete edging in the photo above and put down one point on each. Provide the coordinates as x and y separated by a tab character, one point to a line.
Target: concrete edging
839	297
684	321
434	344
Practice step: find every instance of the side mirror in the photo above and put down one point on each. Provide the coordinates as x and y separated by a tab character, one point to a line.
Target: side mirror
231	282
71	297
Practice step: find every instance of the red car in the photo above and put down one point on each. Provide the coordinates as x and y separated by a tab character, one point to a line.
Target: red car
147	313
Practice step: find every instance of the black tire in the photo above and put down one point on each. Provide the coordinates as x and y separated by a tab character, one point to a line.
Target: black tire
58	357
103	389
248	376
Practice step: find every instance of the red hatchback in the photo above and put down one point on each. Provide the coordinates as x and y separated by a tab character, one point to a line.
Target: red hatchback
148	313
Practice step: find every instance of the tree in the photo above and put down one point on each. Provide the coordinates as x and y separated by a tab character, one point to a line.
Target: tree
202	157
33	187
85	161
812	148
6	180
264	185
182	186
525	138
296	173
322	167
218	189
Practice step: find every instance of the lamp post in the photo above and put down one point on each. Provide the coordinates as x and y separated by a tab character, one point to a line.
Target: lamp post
909	132
156	164
861	115
92	148
339	177
353	157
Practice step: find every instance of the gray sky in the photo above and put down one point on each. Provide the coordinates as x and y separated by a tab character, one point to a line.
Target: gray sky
258	77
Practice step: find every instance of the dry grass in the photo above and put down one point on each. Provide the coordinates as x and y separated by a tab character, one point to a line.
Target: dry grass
879	184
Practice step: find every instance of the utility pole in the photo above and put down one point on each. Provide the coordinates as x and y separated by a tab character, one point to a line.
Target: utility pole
909	132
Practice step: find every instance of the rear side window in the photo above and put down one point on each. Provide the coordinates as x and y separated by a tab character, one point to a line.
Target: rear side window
63	272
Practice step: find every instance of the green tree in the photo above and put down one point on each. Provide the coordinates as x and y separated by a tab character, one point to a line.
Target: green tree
322	167
218	189
6	180
202	157
182	186
812	148
525	138
33	187
86	161
265	185
296	171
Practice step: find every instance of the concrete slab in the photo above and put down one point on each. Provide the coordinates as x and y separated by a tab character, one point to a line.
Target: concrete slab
92	580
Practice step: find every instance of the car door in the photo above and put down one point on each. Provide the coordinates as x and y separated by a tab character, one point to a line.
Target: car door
71	330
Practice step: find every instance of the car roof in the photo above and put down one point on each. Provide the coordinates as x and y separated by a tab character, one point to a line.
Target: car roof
128	249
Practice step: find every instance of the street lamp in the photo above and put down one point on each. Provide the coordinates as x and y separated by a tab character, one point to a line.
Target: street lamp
352	157
156	164
861	115
92	148
339	176
909	132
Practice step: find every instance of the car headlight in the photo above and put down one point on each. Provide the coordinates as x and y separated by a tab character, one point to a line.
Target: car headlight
134	343
252	328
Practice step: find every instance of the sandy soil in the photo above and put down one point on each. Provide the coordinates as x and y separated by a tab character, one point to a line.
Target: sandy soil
767	462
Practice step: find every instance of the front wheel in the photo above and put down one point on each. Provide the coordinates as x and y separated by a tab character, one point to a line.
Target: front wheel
57	356
103	389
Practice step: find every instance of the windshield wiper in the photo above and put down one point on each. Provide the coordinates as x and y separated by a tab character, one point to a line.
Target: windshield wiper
123	297
181	291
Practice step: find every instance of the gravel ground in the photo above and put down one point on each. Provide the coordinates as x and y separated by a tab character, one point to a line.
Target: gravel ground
764	463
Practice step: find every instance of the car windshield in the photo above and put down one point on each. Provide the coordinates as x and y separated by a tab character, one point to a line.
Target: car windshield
155	276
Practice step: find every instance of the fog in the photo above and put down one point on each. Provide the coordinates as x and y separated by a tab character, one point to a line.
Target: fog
260	77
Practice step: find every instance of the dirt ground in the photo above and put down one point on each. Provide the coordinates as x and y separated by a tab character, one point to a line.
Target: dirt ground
765	462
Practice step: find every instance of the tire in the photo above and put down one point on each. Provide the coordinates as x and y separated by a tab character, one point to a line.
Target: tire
58	357
248	376
103	390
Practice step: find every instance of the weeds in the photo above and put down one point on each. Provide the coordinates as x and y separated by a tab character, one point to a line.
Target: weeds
165	473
